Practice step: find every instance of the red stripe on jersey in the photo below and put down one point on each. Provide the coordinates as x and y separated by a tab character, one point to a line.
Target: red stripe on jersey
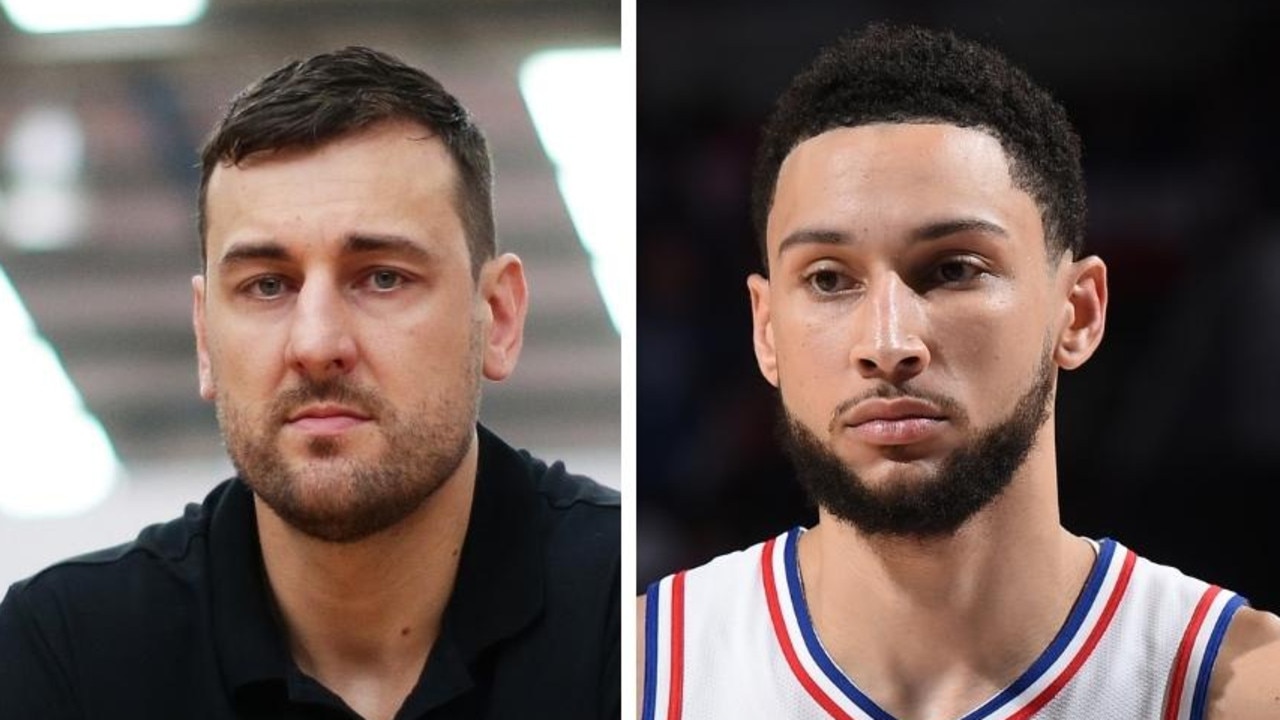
1183	659
780	630
676	697
1108	612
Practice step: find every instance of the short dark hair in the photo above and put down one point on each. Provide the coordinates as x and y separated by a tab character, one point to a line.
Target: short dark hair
910	74
308	103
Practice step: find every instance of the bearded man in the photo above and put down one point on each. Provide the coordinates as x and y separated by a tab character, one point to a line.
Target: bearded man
379	554
920	209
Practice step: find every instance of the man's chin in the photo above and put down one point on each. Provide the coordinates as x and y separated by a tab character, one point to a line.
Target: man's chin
333	499
895	491
889	465
299	452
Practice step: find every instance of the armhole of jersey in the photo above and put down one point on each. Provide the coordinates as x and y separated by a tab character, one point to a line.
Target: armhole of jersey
1200	698
1192	668
664	650
650	689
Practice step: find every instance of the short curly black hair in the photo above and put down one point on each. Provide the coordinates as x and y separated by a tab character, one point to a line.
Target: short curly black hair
908	74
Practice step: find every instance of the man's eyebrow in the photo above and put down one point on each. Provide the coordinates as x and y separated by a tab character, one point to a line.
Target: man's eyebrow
248	251
939	230
815	237
929	231
361	243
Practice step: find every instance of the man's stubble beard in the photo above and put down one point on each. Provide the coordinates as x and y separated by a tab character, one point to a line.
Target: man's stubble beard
966	481
342	499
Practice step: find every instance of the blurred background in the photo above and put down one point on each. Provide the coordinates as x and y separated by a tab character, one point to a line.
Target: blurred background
101	427
1169	438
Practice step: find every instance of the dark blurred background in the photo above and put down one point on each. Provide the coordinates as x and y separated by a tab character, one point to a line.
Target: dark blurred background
1169	438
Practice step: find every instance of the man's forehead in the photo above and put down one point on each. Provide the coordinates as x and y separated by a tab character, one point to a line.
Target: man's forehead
252	149
390	182
918	142
385	163
911	174
389	138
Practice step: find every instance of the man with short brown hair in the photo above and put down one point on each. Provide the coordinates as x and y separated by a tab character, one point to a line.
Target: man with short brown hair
380	554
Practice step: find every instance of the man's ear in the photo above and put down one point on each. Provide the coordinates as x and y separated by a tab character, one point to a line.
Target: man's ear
506	300
762	328
207	388
1084	314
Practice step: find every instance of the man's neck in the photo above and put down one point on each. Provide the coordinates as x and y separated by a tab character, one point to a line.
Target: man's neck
362	617
932	628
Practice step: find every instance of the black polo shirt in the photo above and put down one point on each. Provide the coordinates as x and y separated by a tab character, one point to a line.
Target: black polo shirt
179	623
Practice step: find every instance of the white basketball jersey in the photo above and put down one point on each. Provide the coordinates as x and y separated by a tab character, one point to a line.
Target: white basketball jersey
734	639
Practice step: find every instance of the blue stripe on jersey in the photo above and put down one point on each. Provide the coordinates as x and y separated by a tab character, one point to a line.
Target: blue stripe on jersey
650	651
811	638
1089	595
1210	655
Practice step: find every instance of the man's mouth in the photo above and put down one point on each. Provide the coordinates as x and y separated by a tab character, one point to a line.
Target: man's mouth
326	419
897	421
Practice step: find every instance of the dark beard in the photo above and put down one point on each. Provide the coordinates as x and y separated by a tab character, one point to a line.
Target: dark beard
968	480
342	500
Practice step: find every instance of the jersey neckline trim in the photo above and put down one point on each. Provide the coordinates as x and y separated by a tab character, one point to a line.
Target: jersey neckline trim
1051	671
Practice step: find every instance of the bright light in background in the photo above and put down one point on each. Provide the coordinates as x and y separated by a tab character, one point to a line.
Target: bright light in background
45	145
583	110
43	157
51	16
55	458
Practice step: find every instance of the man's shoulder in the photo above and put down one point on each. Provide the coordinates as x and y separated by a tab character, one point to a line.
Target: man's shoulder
565	492
121	627
548	541
740	565
1238	647
569	502
121	574
582	518
718	592
571	521
1246	675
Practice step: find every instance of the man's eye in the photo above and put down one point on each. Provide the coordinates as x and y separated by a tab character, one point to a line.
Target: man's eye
828	282
268	286
385	279
956	271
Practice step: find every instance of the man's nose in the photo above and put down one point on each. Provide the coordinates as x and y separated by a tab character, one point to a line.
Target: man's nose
890	325
321	345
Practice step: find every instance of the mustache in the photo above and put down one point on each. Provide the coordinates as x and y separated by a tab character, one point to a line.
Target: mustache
948	405
337	390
